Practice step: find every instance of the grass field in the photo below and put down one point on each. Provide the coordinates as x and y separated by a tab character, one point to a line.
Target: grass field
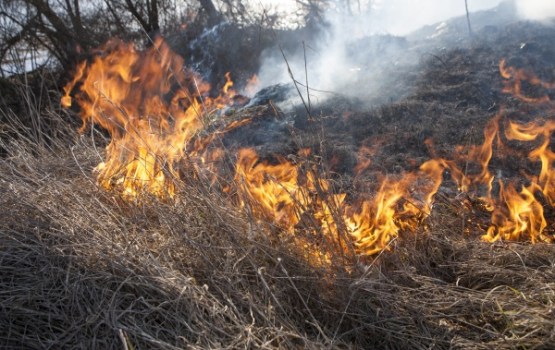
81	267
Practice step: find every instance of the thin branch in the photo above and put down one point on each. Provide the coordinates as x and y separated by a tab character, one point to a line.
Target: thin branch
468	18
295	82
59	25
116	18
134	11
306	79
16	38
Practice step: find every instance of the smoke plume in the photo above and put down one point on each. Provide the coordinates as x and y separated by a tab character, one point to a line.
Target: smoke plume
536	9
363	52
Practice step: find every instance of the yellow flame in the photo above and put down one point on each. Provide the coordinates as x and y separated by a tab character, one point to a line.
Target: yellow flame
153	107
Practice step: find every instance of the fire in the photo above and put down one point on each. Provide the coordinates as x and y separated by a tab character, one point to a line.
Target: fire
150	105
398	205
513	83
277	194
227	87
522	213
271	191
157	113
516	214
401	204
543	153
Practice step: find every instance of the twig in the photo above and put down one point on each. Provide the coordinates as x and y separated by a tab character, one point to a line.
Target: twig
315	322
306	79
123	339
468	18
295	82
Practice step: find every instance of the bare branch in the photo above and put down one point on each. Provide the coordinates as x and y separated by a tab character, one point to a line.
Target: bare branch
135	12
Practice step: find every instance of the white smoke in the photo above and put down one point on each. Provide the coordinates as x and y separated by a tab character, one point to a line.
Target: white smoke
536	9
400	17
330	66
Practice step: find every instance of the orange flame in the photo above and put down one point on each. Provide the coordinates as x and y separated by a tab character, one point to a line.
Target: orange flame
513	83
543	153
271	191
151	106
275	193
515	214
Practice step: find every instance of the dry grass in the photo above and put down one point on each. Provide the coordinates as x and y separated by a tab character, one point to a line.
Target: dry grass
79	268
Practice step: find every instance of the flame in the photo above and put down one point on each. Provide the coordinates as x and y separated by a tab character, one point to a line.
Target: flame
543	153
513	83
398	205
271	191
516	214
157	113
275	193
150	105
228	85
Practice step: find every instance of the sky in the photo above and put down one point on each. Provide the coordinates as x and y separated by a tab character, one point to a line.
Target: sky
398	17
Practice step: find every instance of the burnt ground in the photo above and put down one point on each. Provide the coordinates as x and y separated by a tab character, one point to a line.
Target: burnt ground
447	98
442	102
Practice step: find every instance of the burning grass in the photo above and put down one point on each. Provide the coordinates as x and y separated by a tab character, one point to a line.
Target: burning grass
153	107
267	256
83	269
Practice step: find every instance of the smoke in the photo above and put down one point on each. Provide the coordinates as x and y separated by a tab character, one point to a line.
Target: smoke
536	9
400	17
364	54
344	55
360	51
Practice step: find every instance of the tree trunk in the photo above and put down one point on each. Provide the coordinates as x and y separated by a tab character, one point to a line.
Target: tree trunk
214	16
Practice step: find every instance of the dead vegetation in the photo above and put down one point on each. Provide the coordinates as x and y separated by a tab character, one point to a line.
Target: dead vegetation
82	268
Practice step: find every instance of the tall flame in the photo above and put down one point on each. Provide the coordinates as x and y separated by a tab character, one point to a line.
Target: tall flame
151	106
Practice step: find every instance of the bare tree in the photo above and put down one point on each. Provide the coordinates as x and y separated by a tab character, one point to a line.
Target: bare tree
68	28
56	27
214	16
